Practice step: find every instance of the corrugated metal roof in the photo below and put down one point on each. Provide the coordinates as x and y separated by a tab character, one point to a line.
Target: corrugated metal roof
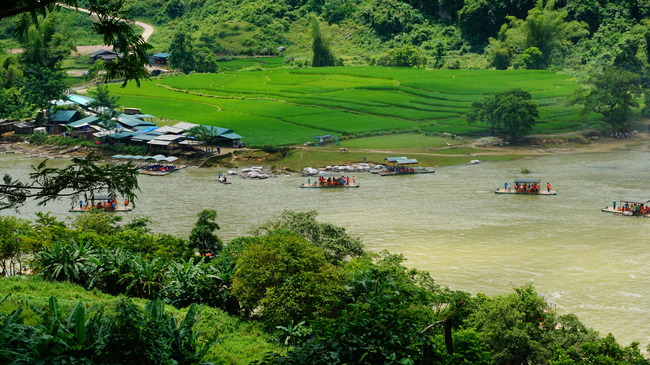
183	126
121	135
63	116
159	142
84	121
141	116
169	129
143	137
162	55
80	99
231	135
395	159
169	137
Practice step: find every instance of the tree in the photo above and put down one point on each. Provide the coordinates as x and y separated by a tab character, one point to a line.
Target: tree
322	55
45	45
182	57
613	94
83	178
113	25
335	241
41	85
512	110
202	237
282	278
104	102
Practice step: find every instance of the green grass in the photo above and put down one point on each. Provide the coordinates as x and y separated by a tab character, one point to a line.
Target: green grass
401	142
282	106
241	342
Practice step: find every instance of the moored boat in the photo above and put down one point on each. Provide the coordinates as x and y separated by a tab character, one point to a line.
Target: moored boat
404	166
629	207
528	186
331	183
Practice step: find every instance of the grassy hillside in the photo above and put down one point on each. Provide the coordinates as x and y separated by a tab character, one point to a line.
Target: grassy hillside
240	342
284	106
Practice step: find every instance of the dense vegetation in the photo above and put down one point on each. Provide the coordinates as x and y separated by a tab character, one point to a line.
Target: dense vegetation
308	285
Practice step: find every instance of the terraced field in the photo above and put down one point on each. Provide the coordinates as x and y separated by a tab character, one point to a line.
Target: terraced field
281	106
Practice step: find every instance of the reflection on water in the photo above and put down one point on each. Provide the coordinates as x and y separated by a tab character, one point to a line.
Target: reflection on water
451	224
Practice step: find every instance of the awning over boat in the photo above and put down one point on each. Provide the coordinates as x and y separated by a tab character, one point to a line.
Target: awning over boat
402	160
635	201
527	181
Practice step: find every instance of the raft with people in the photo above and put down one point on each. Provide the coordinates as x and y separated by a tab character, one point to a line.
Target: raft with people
331	183
526	187
102	203
404	166
629	207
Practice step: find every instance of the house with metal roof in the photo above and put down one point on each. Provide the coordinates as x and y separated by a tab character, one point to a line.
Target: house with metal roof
130	121
83	101
65	117
160	58
104	54
84	127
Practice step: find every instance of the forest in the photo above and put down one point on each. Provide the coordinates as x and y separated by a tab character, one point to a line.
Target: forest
297	291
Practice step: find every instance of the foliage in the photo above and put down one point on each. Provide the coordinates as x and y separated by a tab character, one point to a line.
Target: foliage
334	240
114	31
126	337
202	239
105	102
281	277
407	56
40	86
83	177
322	55
512	110
613	94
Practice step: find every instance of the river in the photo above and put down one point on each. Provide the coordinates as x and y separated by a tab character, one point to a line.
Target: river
450	223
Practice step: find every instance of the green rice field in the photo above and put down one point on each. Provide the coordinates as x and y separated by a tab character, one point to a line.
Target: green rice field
280	106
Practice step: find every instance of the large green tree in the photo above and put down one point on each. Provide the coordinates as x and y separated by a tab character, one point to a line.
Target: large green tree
322	55
202	238
335	241
512	111
182	51
282	278
611	93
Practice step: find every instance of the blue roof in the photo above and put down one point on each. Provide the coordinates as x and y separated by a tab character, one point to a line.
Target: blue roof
64	116
145	129
162	55
80	99
121	135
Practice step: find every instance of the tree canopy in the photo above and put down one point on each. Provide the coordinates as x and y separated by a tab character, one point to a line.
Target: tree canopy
512	111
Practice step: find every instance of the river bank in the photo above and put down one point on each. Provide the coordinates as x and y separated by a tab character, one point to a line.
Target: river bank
443	156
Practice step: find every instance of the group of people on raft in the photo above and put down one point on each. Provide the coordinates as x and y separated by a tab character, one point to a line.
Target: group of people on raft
334	181
528	187
631	208
167	168
107	205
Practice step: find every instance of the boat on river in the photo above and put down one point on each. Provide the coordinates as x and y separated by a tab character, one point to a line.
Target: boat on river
331	183
404	166
103	203
528	186
629	207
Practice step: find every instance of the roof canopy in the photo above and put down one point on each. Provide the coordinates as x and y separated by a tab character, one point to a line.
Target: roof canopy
527	181
402	160
635	201
80	99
